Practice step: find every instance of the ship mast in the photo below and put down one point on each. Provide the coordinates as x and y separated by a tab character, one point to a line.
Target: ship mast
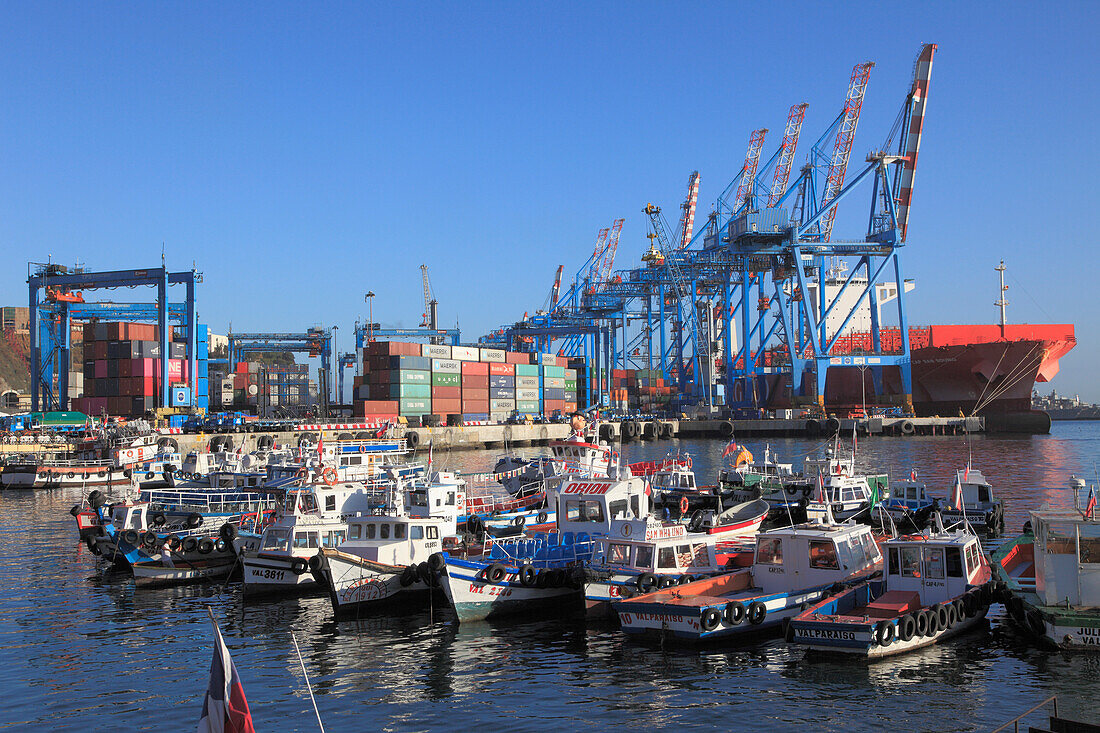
1001	302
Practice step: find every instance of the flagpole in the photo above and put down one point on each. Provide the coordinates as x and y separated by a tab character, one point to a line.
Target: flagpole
308	685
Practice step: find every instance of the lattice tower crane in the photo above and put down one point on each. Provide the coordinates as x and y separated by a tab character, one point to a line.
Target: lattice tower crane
842	145
752	162
687	209
603	271
782	172
428	319
918	97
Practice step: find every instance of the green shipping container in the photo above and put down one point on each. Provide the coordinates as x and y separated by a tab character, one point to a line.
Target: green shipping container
446	379
553	371
414	376
527	370
528	406
571	384
412	406
419	391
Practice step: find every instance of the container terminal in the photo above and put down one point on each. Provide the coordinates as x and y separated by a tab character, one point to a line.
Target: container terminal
760	321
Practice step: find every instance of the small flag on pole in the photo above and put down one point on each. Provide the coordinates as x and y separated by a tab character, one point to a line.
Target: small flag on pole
913	475
957	494
1090	507
224	709
821	498
729	448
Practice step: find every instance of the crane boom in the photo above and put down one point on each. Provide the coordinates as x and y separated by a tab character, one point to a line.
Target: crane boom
428	300
752	162
687	216
842	145
555	289
782	172
918	97
608	259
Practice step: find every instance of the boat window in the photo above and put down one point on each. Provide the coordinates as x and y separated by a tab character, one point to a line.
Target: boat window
769	551
617	508
433	533
301	539
275	539
353	531
700	555
383	531
643	558
823	555
450	498
685	481
666	558
911	492
954	563
416	532
313	540
971	559
330	503
584	510
893	561
370	531
307	503
338	538
933	563
399	531
620	554
635	506
291	501
910	562
870	549
983	493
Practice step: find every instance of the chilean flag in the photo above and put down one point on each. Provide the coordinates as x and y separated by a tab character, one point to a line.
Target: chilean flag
957	494
822	497
1090	508
729	448
225	709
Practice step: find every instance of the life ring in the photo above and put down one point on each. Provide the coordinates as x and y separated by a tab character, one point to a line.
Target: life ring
884	633
298	566
408	576
206	546
329	476
646	582
756	613
684	504
711	618
527	575
907	627
495	572
688	462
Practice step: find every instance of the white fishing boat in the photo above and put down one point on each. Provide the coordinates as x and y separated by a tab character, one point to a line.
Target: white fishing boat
978	507
936	585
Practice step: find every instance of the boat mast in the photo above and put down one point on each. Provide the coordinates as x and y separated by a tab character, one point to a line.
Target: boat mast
1001	302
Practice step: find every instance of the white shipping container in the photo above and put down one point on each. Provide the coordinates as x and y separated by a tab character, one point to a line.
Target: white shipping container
446	366
527	395
527	383
496	355
502	405
554	382
465	353
436	351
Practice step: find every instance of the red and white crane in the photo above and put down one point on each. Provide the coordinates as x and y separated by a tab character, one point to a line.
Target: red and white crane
687	215
603	271
748	173
782	172
918	97
842	145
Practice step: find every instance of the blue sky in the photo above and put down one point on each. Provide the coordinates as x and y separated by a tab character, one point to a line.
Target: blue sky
301	154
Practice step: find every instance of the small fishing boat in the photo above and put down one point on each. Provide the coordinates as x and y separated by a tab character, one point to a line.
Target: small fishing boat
792	568
1049	576
978	506
843	495
165	572
909	504
936	585
641	555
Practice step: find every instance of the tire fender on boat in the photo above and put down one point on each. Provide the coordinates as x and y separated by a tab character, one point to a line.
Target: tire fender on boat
735	613
884	633
711	619
907	627
527	575
298	566
924	622
206	546
194	520
315	563
645	582
756	613
495	572
408	576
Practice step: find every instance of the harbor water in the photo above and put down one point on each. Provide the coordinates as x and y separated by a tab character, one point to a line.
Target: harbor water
83	650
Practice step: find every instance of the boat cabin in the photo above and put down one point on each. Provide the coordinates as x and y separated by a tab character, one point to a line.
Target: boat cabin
443	498
830	465
329	502
809	555
641	546
129	515
588	505
1067	557
673	478
236	480
938	566
577	455
910	494
395	540
976	491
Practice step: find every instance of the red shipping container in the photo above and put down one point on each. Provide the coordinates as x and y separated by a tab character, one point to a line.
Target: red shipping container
472	406
477	395
101	369
175	370
242	368
570	406
148	387
449	407
378	407
124	368
475	367
446	393
550	405
475	381
99	350
501	370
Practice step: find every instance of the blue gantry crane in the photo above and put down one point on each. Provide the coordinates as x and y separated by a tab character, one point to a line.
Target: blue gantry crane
318	342
55	299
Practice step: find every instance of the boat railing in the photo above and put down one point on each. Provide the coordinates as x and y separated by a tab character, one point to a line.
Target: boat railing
1015	722
542	552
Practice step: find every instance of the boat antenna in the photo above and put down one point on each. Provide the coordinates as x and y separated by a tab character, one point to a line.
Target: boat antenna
308	685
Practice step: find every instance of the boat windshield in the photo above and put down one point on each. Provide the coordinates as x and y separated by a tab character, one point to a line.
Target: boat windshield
276	539
643	558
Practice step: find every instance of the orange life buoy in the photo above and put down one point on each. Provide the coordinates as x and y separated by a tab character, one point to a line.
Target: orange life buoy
329	476
683	505
687	463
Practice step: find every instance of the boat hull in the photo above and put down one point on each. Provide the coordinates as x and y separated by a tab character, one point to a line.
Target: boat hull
474	598
356	585
267	573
